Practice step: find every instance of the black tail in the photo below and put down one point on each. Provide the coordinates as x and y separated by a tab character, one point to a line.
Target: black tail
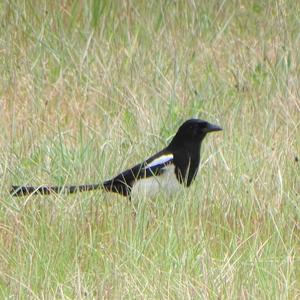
23	190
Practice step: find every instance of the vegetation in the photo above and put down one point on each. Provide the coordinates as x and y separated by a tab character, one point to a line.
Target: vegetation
89	88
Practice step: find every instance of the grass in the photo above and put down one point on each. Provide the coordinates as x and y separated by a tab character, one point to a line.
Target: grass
89	88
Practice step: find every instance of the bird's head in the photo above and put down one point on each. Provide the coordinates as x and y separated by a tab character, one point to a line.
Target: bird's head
193	131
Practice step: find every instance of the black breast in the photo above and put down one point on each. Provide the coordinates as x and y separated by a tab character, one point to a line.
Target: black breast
186	166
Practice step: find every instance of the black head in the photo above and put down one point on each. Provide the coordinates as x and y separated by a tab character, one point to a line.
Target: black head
193	131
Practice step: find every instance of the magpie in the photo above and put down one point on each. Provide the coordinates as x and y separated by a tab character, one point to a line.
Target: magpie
174	166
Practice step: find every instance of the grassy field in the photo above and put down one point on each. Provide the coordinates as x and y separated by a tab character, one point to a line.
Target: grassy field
89	88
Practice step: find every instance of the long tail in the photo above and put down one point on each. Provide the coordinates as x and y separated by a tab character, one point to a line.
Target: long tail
23	190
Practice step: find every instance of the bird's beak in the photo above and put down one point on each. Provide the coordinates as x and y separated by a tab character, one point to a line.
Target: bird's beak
212	127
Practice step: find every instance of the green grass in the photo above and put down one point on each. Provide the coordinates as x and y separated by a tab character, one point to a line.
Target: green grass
89	88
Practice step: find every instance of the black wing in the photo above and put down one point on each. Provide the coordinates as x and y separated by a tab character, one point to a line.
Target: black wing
154	166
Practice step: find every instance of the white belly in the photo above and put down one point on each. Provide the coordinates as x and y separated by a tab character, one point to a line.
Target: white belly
150	187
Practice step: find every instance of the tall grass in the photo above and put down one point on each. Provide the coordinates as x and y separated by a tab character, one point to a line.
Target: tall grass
89	88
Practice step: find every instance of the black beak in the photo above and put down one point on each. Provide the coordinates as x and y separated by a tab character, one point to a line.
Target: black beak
212	127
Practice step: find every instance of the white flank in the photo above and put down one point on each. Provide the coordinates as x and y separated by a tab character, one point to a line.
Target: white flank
150	187
160	160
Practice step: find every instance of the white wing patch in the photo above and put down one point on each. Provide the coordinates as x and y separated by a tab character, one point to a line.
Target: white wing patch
160	160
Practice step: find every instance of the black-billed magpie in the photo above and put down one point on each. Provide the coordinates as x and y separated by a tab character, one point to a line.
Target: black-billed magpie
175	165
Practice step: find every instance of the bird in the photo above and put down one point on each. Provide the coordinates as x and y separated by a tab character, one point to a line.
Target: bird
171	168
